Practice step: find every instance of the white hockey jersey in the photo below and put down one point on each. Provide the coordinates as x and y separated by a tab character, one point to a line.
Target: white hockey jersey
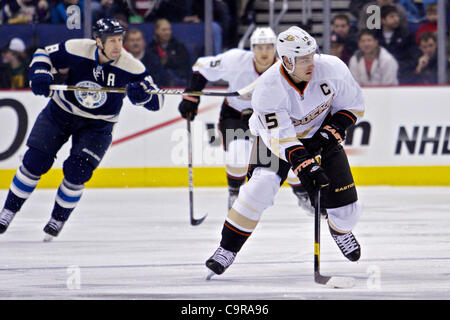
235	66
283	115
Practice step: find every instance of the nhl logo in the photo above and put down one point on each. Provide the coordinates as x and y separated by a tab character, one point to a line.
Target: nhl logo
289	38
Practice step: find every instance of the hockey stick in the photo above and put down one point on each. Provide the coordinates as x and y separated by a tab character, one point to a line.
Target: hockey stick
244	93
194	221
330	281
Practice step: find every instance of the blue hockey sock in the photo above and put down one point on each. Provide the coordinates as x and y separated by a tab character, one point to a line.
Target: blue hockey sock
66	200
21	187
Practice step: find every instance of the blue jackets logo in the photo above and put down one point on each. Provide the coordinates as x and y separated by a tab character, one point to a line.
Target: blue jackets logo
90	100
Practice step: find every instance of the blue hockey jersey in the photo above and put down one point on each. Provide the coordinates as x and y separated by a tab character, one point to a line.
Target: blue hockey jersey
80	56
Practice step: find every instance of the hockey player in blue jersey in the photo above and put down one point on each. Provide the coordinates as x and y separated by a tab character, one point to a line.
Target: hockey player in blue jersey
87	117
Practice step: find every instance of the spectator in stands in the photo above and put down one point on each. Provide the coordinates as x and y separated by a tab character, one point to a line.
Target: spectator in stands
221	21
373	64
342	31
247	11
172	53
14	71
430	24
412	11
135	44
42	14
355	7
59	12
23	11
398	41
107	8
173	10
337	47
363	16
427	66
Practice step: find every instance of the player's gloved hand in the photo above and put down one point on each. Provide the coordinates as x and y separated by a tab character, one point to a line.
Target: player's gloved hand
312	177
328	136
136	92
188	107
41	80
245	116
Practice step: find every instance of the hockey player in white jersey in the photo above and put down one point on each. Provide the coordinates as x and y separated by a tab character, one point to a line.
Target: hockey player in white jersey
239	68
302	107
87	118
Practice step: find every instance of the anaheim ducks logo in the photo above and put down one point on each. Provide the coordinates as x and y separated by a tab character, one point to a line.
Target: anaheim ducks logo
289	38
317	111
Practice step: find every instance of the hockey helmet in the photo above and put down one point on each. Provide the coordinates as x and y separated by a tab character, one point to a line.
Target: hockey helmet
294	42
107	27
263	36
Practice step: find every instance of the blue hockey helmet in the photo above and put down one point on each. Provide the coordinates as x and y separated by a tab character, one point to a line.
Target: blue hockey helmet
107	27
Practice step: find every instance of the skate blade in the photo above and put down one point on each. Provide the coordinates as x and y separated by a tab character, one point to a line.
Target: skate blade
210	275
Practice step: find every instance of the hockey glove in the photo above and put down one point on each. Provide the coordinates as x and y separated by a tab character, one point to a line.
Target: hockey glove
136	92
245	116
311	174
41	80
188	107
327	137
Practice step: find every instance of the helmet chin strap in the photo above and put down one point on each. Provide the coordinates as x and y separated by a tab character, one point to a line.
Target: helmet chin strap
104	53
102	50
289	71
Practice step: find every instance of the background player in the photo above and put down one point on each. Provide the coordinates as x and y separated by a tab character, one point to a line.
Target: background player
302	107
239	68
88	118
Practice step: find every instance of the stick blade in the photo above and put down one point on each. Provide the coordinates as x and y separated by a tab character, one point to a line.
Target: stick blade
196	222
341	282
335	282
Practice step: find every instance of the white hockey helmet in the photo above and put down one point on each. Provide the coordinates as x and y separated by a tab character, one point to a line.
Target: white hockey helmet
263	36
294	42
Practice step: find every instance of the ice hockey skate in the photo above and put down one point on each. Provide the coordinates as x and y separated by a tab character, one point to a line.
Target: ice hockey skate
6	217
220	261
347	243
52	229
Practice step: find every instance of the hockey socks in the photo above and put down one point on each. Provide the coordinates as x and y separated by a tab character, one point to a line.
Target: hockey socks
234	184
67	198
21	187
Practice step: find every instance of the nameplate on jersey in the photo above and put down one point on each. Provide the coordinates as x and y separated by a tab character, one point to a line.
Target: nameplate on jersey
90	100
317	111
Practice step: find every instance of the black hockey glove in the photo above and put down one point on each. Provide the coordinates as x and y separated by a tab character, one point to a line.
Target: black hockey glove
325	138
41	80
332	133
136	92
188	107
311	174
245	116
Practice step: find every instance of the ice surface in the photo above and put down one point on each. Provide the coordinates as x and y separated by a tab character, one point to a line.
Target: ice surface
138	244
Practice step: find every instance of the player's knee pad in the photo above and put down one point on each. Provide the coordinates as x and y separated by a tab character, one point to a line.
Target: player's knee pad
346	217
77	170
258	193
37	162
